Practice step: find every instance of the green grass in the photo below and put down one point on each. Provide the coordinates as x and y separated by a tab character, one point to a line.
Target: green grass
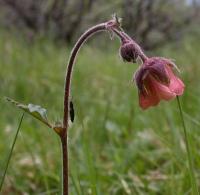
115	147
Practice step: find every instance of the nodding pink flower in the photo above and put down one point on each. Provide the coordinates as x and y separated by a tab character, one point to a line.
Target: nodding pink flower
156	81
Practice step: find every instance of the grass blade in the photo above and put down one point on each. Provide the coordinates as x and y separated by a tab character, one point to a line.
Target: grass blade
191	167
74	184
11	151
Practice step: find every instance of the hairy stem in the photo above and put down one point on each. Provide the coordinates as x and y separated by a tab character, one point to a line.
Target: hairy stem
110	25
64	166
74	52
11	151
79	43
191	167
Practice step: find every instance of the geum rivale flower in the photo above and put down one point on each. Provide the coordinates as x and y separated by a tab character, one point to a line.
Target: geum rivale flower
156	81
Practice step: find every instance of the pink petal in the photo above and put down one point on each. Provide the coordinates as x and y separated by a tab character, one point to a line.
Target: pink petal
176	85
155	92
163	91
145	101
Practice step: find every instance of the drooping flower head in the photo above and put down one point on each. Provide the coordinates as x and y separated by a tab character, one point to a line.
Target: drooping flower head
156	81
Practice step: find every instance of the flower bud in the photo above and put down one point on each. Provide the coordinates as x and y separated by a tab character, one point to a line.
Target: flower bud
128	51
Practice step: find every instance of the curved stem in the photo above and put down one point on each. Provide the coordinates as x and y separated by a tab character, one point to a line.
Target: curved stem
63	136
82	39
110	25
193	181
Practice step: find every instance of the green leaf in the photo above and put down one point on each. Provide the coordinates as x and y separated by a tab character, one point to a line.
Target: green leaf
35	110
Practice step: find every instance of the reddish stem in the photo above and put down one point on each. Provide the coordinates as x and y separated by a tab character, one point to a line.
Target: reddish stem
82	39
65	188
63	136
110	25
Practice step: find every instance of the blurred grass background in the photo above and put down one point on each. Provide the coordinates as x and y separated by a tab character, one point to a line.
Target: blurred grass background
115	147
